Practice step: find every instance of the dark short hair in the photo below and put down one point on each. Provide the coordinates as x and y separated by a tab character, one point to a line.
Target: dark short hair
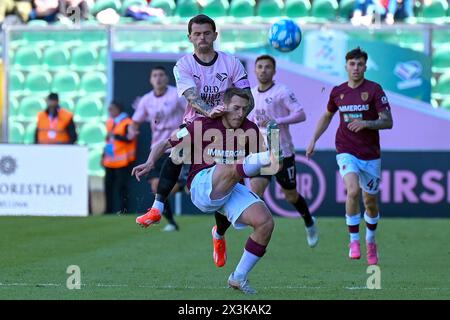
53	96
233	91
118	104
267	57
201	19
158	68
356	54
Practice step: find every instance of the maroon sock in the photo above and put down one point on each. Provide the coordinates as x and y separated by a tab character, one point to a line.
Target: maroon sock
353	229
253	247
370	226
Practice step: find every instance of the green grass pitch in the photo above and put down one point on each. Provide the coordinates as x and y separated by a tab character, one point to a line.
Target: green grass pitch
119	260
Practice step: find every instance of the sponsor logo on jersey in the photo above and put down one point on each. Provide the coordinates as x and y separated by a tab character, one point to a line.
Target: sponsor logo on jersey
268	100
384	100
354	107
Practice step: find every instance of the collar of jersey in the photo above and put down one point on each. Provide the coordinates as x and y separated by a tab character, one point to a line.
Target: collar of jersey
206	64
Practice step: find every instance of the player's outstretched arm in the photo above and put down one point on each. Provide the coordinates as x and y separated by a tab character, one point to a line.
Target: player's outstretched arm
156	153
321	127
196	101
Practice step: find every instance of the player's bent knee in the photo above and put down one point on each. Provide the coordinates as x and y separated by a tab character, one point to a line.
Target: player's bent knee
353	192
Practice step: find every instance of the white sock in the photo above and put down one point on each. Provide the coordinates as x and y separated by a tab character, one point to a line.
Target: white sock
370	234
158	205
353	221
246	264
252	163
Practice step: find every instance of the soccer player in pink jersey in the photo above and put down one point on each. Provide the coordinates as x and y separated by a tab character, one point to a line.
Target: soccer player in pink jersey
276	103
363	110
164	110
217	168
202	79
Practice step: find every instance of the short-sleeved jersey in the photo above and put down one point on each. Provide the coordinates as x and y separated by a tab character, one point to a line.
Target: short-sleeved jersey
164	113
210	79
364	103
209	142
276	102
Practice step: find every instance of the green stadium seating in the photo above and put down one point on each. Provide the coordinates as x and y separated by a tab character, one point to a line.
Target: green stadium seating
442	88
30	133
168	6
88	109
27	58
102	59
84	58
437	9
38	82
242	8
13	108
324	9
56	58
270	8
297	8
441	60
95	167
346	8
37	23
16	82
66	83
67	103
216	8
94	83
16	132
187	8
29	108
92	134
39	38
101	5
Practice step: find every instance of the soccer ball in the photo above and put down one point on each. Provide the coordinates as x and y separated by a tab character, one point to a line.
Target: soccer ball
285	35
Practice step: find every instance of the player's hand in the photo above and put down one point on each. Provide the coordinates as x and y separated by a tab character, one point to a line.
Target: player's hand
310	150
217	111
142	170
132	132
264	122
357	125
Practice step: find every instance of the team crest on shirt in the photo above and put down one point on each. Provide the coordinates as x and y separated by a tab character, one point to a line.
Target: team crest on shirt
222	76
364	96
341	96
268	100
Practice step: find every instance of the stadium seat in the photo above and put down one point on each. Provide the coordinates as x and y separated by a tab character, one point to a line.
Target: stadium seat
29	108
37	23
67	103
101	5
297	8
30	133
436	9
346	8
270	8
84	58
187	8
92	134
56	58
13	108
441	60
324	9
95	167
216	8
446	104
38	82
88	109
66	83
39	38
442	87
16	82
242	8
94	83
27	58
168	6
102	58
16	132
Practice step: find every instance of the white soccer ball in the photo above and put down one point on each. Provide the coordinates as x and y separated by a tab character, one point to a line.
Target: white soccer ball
285	35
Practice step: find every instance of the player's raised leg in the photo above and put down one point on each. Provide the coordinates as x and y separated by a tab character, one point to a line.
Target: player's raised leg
371	216
353	213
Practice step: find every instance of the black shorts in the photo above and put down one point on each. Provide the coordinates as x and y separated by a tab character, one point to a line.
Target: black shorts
287	176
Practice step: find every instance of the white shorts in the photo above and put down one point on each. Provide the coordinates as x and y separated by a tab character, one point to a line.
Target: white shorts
369	171
231	206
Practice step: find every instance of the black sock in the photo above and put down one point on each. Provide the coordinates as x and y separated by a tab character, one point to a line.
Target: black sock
168	177
168	214
222	223
303	209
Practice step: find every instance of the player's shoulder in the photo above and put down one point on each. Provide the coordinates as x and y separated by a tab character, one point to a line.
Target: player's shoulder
281	88
186	59
373	84
248	124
